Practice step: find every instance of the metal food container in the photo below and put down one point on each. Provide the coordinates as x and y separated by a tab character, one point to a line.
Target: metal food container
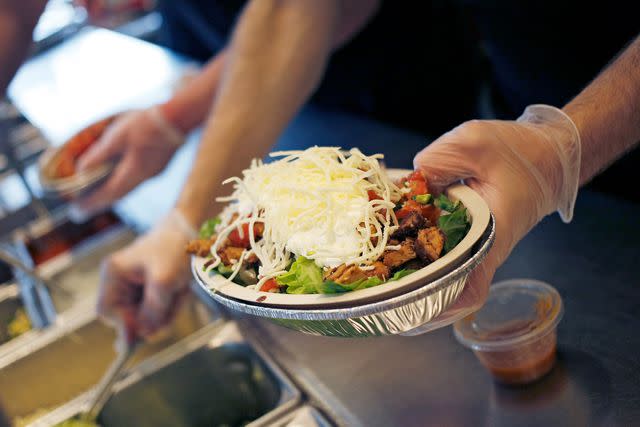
81	182
69	358
72	276
406	314
10	305
212	378
48	367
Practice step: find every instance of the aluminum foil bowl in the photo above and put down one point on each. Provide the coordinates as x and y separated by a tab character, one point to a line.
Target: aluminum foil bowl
407	314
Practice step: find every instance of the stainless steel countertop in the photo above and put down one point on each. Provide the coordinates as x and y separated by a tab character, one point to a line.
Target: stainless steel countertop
430	380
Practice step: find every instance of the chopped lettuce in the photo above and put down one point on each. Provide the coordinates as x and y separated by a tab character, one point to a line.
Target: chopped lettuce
401	273
444	203
305	277
208	228
454	226
331	287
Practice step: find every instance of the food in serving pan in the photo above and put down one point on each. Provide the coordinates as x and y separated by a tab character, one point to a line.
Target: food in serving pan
19	324
67	235
31	418
77	422
14	323
327	221
64	163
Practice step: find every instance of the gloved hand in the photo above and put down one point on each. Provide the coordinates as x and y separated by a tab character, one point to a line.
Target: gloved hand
143	284
524	170
142	143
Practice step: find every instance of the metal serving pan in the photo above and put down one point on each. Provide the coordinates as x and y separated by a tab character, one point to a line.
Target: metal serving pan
213	378
409	313
69	358
72	279
9	304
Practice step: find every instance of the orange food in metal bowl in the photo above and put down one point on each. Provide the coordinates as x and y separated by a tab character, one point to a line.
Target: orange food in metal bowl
63	165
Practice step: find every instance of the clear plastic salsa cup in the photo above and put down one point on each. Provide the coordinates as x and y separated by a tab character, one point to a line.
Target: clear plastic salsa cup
514	333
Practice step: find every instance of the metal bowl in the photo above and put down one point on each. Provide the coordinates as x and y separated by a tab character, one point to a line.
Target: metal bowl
406	314
81	183
75	186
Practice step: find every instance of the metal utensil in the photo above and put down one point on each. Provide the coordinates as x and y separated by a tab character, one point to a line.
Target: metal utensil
16	263
104	389
34	293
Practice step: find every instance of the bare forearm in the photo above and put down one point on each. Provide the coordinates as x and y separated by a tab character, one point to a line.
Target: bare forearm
276	59
17	20
189	107
607	113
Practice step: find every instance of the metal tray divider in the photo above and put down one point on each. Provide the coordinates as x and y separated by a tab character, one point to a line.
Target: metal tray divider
216	334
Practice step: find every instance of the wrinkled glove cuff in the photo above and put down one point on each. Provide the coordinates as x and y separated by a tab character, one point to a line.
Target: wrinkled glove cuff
176	217
173	134
568	149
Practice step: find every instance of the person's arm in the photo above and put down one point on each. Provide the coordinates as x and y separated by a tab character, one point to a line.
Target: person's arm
296	36
18	18
189	107
144	141
607	113
532	167
275	60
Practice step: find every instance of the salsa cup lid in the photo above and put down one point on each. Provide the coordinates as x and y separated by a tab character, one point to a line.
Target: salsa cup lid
516	311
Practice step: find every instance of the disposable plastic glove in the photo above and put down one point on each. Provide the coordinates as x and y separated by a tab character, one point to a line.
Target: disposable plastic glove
143	284
524	170
141	143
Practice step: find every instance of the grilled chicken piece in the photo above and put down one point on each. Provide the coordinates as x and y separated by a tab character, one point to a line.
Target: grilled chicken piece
409	226
230	254
429	244
395	258
379	270
345	274
200	247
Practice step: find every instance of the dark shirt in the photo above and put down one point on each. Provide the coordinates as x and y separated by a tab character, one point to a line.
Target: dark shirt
419	64
414	70
547	51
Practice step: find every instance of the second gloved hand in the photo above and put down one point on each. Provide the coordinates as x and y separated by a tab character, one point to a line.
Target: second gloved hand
143	284
140	143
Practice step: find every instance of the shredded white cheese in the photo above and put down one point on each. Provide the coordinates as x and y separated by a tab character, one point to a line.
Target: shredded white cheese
313	203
